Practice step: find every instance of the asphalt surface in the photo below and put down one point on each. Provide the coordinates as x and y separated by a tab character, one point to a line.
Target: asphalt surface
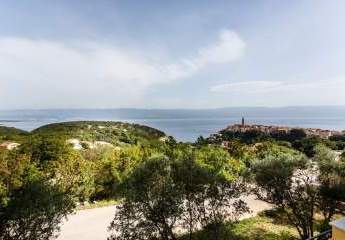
92	224
88	224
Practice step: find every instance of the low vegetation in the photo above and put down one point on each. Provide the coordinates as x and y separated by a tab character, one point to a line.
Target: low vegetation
113	132
296	139
12	134
185	187
168	190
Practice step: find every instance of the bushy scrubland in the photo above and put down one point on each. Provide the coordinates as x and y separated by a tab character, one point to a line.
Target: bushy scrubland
165	189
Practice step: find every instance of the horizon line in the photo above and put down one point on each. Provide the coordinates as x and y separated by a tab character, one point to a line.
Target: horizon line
150	109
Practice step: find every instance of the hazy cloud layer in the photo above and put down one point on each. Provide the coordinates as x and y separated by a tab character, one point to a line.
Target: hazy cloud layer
298	92
171	54
56	74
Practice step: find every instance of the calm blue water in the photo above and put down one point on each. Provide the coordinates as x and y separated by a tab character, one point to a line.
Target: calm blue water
185	125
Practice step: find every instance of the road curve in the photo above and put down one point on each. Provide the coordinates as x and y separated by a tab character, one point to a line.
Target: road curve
92	224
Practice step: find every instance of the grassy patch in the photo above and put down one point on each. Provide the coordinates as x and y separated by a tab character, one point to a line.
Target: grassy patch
265	226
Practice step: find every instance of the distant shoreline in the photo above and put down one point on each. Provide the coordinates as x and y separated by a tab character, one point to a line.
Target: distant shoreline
227	127
185	125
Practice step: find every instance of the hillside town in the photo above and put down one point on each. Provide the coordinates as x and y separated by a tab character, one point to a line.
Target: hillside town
273	129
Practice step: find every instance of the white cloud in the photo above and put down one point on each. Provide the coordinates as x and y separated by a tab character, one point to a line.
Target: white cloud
253	86
40	73
229	47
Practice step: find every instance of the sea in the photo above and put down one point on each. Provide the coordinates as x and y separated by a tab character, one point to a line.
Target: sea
185	124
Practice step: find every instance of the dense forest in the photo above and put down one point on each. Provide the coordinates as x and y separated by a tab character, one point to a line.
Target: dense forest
166	189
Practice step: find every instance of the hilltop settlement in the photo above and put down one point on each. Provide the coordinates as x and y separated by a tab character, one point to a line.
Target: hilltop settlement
271	129
274	130
301	139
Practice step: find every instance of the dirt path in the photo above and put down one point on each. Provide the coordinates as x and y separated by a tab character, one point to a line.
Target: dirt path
92	224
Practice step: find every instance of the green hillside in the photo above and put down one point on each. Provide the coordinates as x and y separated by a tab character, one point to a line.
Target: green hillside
112	132
11	133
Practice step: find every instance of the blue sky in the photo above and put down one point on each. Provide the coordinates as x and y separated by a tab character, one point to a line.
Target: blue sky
171	54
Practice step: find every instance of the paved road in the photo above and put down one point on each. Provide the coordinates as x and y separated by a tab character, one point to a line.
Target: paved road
88	224
92	224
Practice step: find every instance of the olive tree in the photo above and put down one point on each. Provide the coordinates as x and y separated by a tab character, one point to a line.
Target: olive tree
152	204
301	187
31	204
285	181
332	183
211	185
187	188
